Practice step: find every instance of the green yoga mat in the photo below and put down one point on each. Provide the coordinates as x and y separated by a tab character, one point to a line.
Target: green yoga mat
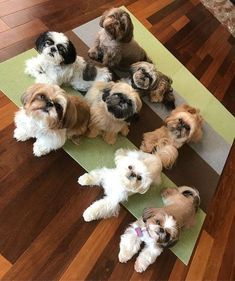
94	153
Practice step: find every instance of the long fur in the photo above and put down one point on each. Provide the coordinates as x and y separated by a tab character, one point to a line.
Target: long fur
50	115
112	105
115	45
147	80
159	228
183	125
57	63
135	171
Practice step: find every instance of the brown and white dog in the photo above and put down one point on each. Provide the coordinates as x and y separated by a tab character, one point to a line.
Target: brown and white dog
115	45
112	106
50	115
159	228
147	80
183	125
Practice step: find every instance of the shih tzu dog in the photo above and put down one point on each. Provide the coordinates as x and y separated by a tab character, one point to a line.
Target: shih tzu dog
112	106
145	78
135	171
57	63
183	125
50	115
159	228
115	45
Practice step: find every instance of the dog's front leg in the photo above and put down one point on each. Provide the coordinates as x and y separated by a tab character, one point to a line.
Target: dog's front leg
92	178
129	245
125	130
146	257
109	137
101	209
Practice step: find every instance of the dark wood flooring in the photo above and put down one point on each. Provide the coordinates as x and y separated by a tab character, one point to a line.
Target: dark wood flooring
42	233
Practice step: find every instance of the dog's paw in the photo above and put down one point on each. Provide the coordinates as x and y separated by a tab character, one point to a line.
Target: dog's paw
140	266
88	215
122	257
85	179
40	149
20	135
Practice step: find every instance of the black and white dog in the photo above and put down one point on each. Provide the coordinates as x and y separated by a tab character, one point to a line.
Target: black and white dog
58	63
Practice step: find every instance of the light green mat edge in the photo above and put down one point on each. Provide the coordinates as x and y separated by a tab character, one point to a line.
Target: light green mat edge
185	83
94	153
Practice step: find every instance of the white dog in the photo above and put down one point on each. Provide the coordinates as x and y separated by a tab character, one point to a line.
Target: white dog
58	63
134	173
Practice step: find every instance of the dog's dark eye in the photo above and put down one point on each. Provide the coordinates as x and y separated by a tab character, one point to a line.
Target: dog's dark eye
48	42
130	167
42	97
139	178
187	127
158	222
180	120
61	48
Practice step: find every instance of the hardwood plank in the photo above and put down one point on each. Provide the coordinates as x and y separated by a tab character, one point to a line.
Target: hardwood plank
180	23
178	272
88	255
3	26
11	6
7	110
23	31
5	265
199	262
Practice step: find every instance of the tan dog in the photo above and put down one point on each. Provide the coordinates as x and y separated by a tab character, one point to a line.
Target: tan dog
50	116
183	125
146	79
113	106
115	45
159	228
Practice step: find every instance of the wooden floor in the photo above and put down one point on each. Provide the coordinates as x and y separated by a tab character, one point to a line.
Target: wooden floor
42	233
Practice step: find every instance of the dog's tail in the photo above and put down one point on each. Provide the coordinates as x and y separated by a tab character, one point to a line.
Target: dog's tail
169	100
167	153
193	192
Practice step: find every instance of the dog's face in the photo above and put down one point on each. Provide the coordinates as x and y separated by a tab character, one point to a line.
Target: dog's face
161	226
117	23
56	47
185	122
47	103
121	100
134	172
144	76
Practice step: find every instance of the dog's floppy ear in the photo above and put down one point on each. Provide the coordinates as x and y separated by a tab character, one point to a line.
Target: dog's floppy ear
103	17
148	213
106	89
71	54
29	92
128	27
41	41
138	103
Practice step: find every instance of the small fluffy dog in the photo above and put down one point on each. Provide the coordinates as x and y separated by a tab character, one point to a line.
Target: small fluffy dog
58	63
115	45
183	125
113	106
50	115
135	171
145	78
159	228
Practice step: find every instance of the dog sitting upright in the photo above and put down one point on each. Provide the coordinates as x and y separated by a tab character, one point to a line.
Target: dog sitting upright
113	106
115	46
57	63
147	80
159	228
183	125
50	115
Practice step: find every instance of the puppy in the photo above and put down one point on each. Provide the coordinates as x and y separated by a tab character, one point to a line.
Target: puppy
113	106
50	115
159	228
58	63
135	171
145	78
115	45
183	125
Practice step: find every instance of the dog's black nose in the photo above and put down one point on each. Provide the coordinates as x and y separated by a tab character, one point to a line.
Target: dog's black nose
49	104
53	49
161	230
